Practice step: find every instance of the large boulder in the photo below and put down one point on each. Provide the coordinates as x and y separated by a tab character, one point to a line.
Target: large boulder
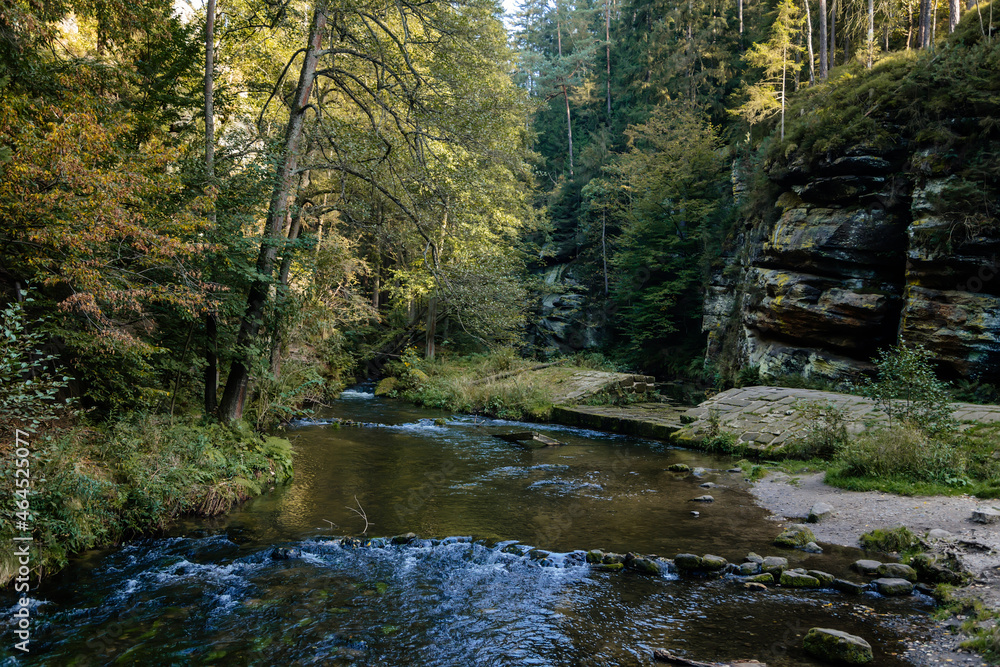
897	570
837	646
893	586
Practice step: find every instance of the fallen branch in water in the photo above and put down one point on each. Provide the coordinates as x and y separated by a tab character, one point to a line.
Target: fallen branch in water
361	513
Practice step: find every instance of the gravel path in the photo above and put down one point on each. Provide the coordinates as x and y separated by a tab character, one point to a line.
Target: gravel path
790	497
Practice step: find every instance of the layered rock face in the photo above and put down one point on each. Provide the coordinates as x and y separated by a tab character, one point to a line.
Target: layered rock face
868	249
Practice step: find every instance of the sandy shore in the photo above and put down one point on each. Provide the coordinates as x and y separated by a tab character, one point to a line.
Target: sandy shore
790	497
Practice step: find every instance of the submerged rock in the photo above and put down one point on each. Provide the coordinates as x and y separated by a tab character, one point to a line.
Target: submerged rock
679	467
837	646
812	548
644	565
766	578
704	499
405	538
285	553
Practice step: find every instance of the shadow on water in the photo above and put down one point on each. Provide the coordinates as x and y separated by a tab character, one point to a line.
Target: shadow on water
214	594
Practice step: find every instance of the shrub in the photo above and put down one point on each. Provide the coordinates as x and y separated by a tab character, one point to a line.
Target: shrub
905	452
29	379
907	390
891	540
826	436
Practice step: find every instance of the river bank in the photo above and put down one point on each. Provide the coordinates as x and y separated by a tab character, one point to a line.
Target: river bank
790	497
95	486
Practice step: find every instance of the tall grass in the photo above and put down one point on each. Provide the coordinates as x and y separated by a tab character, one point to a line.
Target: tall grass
97	486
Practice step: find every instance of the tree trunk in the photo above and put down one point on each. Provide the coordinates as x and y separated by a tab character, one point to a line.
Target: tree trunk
431	328
784	61
739	11
604	247
211	325
824	66
809	44
607	50
234	395
569	129
212	363
282	293
833	33
871	32
925	24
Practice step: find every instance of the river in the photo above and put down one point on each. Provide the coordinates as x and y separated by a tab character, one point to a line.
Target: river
212	593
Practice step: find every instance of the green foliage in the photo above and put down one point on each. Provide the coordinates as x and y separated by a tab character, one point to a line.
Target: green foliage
899	540
277	400
779	62
826	435
29	377
668	195
105	484
903	452
908	391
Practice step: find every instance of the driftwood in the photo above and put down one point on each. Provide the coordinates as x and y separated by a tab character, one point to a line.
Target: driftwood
507	374
671	659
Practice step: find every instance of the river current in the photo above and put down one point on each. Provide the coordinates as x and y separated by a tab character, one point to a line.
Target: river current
274	583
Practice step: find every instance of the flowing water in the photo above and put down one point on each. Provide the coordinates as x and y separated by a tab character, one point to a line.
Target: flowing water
213	593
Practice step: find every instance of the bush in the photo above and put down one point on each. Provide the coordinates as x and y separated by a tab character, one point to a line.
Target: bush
826	436
904	452
29	379
907	390
891	540
101	485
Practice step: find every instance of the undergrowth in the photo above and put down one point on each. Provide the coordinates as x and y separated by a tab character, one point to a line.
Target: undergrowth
97	486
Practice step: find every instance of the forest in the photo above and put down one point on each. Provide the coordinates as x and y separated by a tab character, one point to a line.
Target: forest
213	216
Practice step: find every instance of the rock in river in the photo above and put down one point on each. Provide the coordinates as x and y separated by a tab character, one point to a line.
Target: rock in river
893	586
837	646
795	536
897	570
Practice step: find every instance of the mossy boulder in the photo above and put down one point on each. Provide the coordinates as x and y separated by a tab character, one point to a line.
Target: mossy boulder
893	586
595	556
679	467
688	562
897	570
610	567
749	569
795	536
387	387
825	578
798	579
837	646
765	578
644	565
774	564
712	563
848	587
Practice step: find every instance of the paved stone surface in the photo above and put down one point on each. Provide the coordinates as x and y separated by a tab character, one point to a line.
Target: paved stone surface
579	386
767	417
647	420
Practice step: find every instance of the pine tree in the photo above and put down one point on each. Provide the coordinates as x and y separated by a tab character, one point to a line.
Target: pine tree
776	58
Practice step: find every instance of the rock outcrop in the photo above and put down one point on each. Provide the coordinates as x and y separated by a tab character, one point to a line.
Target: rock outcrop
867	248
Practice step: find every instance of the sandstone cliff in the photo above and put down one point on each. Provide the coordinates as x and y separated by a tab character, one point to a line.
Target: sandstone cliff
870	246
